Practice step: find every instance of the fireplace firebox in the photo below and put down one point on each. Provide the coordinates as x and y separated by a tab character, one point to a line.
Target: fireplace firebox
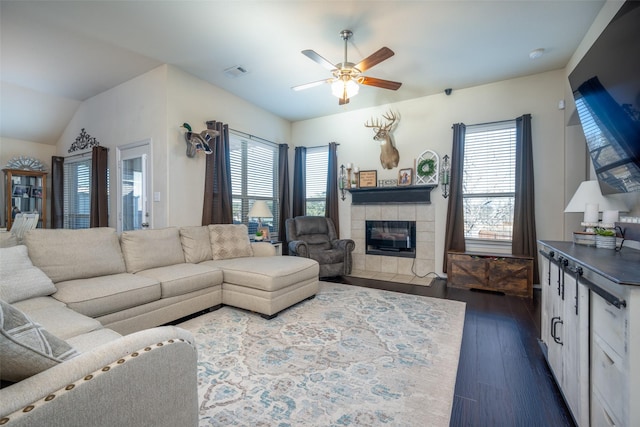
391	238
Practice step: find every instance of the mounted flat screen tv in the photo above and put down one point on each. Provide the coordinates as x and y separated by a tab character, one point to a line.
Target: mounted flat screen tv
606	88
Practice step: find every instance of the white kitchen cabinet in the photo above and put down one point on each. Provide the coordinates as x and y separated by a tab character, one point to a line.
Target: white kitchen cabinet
593	354
565	332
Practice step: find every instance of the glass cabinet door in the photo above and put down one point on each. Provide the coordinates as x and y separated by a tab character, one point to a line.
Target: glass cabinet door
26	192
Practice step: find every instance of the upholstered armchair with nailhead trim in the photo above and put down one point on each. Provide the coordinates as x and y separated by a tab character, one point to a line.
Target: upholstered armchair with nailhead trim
148	378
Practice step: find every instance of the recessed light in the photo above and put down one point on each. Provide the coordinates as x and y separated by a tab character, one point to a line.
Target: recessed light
536	53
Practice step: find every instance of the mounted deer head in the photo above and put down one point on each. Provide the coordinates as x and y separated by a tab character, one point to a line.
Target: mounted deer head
389	155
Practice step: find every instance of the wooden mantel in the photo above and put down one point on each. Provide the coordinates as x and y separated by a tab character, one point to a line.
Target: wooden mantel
377	195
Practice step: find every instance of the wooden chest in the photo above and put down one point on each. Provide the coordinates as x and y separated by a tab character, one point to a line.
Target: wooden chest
510	274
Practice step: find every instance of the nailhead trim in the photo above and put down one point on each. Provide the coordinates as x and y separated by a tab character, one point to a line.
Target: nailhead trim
17	414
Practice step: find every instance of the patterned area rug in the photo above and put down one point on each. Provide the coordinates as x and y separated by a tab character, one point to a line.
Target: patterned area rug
352	356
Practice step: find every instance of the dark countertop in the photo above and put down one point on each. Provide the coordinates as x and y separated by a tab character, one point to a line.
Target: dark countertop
620	267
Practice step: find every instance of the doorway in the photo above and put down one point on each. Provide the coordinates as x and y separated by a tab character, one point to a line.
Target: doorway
134	186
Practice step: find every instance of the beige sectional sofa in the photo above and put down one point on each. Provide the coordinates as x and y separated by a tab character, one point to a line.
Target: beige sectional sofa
79	291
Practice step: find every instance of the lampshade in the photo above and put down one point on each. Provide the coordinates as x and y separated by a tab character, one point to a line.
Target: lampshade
339	87
589	193
260	210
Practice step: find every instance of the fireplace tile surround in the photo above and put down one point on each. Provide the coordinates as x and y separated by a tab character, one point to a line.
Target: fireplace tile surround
388	267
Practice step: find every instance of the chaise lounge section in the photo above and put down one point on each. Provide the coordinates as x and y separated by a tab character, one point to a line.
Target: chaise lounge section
82	290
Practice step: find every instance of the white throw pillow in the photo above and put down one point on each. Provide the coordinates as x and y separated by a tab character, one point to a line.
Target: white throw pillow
26	348
229	241
19	278
196	243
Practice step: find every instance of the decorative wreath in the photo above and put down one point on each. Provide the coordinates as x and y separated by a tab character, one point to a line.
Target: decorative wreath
426	167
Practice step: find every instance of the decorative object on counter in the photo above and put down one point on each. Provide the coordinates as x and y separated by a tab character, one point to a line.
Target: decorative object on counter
405	176
589	199
342	181
26	163
264	233
197	143
389	155
356	173
609	218
368	179
445	177
427	166
605	238
387	183
83	141
260	210
584	238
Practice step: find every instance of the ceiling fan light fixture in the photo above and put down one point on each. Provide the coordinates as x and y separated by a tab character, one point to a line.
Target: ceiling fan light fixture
341	87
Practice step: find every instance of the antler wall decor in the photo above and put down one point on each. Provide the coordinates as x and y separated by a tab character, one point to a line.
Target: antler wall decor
389	155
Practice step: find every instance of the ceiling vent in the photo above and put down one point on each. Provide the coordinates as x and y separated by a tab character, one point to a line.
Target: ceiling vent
235	71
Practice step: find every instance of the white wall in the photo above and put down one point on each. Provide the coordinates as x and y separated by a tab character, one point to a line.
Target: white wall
195	101
425	123
154	106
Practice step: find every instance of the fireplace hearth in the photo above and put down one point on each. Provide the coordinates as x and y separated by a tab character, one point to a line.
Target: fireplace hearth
391	238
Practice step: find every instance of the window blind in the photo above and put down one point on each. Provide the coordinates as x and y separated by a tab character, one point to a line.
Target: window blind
489	180
316	186
77	196
254	176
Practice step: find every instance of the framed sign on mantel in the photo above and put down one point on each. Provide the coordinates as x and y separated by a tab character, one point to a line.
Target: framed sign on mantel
368	179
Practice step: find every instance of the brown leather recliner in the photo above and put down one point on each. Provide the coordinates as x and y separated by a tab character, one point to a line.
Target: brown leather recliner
315	237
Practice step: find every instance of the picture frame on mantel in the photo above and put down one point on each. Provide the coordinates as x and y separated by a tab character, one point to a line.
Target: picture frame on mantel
405	176
368	179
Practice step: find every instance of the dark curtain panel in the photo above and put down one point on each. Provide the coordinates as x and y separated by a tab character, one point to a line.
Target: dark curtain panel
331	210
454	235
524	241
99	216
217	207
283	184
57	192
299	182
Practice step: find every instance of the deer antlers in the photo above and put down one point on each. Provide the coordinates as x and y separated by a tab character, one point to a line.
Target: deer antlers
390	117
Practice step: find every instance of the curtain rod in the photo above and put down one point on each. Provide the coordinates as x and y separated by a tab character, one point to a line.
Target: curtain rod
248	135
319	146
84	154
492	123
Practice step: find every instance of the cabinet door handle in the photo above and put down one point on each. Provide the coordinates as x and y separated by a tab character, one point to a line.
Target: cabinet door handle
555	322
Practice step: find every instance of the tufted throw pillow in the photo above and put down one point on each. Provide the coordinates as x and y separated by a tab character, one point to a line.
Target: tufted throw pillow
25	347
229	241
19	279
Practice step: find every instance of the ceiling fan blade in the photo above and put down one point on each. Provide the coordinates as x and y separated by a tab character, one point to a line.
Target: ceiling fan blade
384	84
375	58
312	84
311	54
343	101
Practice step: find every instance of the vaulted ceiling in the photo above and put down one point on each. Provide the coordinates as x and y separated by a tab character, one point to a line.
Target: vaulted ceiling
56	54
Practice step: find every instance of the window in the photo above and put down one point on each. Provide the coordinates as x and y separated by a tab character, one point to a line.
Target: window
77	187
77	192
316	188
488	184
254	176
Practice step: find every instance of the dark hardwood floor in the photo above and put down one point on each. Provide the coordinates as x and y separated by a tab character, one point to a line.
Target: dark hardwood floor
503	378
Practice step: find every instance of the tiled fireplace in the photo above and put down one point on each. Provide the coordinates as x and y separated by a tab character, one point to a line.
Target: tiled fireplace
394	268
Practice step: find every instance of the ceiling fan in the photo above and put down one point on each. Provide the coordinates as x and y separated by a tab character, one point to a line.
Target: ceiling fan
347	75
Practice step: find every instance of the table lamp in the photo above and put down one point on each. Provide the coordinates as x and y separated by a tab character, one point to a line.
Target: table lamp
260	210
589	199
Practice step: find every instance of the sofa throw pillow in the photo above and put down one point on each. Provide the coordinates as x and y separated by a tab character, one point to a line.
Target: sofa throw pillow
196	244
19	278
146	249
229	241
25	347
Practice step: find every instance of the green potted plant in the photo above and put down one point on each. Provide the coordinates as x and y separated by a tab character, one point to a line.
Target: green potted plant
258	236
605	238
